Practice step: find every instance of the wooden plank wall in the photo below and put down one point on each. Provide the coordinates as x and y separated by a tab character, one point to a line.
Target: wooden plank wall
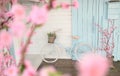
89	13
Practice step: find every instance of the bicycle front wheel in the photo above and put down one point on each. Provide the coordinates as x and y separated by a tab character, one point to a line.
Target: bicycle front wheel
81	49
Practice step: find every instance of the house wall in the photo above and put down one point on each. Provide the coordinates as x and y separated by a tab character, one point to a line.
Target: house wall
62	19
58	19
90	13
114	13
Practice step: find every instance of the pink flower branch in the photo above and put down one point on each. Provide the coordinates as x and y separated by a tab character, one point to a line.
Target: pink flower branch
24	48
107	41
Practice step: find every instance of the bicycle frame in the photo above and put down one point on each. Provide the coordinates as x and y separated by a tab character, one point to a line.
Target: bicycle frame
70	50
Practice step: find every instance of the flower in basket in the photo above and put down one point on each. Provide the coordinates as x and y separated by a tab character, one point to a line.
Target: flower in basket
51	37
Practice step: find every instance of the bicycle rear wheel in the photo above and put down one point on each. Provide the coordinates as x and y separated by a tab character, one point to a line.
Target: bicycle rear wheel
82	49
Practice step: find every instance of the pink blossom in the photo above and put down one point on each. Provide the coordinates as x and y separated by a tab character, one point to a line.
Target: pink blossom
54	4
8	14
5	39
14	1
2	14
65	5
17	28
38	15
8	59
11	71
107	48
28	64
105	32
107	40
46	70
1	58
93	65
112	28
18	11
75	3
29	70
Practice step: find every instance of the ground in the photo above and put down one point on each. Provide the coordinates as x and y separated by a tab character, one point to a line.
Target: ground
68	66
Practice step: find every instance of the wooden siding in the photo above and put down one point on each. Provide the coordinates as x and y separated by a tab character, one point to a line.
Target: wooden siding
89	13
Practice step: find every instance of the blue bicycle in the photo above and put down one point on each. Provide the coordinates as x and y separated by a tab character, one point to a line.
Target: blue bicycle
78	48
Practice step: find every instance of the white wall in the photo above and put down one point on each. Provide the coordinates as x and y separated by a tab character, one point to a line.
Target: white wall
58	19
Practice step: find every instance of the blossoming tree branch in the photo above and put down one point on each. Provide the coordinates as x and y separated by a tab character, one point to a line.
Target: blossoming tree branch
107	41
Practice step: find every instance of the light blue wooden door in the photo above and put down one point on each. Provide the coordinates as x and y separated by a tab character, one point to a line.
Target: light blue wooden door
89	13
